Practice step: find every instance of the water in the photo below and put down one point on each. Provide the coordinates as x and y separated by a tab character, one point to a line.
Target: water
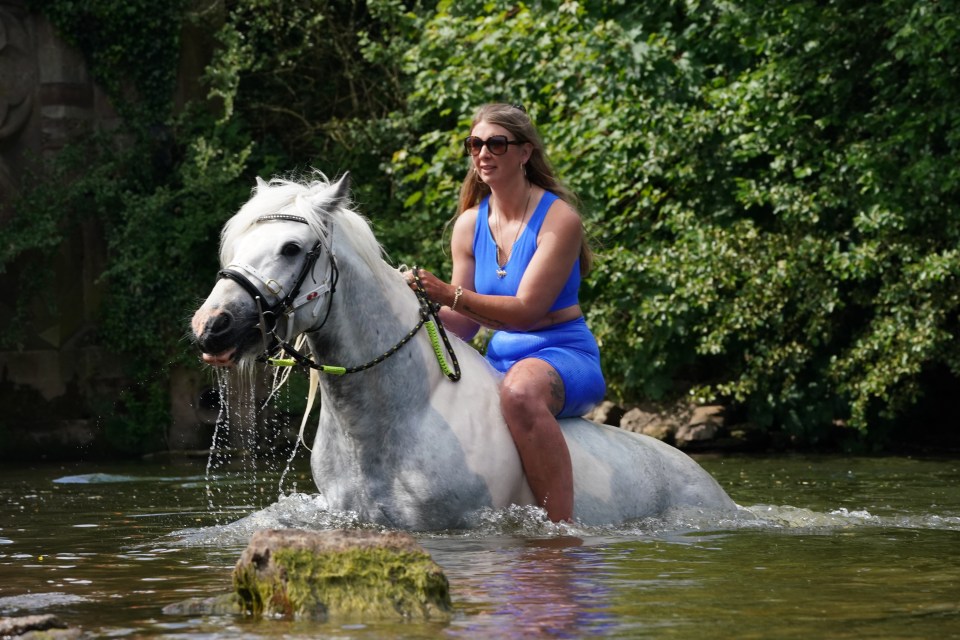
824	547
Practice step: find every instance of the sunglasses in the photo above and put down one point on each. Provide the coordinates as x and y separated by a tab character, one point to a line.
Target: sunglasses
497	145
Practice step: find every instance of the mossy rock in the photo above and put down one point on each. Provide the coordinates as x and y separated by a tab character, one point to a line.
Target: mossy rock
340	574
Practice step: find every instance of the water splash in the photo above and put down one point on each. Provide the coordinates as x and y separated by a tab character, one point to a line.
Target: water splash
311	512
686	525
251	438
295	511
222	423
801	520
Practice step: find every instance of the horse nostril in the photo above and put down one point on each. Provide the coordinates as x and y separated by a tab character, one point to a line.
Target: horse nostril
215	331
221	322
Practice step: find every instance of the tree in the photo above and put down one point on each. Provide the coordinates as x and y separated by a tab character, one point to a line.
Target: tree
773	186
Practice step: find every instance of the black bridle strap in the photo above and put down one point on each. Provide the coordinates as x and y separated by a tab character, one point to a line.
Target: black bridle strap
241	280
269	315
311	261
334	279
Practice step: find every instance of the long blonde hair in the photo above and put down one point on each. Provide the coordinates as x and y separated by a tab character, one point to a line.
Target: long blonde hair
538	170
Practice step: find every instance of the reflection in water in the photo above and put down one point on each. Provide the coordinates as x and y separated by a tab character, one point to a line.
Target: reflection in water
546	588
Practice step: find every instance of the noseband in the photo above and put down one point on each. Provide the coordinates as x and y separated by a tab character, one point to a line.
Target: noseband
284	304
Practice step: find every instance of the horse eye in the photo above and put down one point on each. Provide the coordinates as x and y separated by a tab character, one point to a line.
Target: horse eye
290	249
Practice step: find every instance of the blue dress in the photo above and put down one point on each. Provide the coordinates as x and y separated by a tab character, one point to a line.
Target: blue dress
569	347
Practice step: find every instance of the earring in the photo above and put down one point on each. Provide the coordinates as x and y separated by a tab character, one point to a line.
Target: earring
523	166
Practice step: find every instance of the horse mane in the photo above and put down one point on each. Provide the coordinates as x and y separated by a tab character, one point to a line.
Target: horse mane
316	199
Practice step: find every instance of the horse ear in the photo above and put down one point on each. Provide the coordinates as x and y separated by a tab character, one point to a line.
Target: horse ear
341	190
261	183
323	196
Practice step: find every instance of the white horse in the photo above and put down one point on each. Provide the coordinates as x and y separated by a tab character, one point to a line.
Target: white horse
398	442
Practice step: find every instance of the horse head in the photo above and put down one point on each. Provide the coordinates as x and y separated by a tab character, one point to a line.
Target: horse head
278	270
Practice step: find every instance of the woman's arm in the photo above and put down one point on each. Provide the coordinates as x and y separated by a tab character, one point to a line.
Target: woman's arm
557	250
461	249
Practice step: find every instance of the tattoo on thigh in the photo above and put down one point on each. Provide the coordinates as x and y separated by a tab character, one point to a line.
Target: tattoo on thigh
556	392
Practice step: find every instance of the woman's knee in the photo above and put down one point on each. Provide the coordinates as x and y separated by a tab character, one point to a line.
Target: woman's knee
519	401
531	391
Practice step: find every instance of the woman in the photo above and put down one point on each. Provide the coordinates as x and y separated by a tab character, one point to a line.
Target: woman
518	251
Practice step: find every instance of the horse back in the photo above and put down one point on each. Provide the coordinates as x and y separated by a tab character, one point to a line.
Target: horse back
620	475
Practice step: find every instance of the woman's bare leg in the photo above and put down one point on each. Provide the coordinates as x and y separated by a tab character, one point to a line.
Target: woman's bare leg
530	396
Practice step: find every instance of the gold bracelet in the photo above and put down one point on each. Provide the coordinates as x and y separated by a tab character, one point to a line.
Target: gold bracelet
456	297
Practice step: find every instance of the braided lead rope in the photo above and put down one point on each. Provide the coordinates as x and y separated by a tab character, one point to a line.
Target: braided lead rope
435	327
298	358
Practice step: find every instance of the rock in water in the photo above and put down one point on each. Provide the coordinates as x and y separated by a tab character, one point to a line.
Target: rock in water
340	574
34	625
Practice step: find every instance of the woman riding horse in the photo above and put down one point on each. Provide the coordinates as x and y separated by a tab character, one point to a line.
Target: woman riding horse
519	251
399	442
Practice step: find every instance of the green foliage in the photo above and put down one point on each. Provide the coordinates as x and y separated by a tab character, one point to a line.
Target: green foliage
571	69
847	181
130	48
290	87
311	83
771	187
607	94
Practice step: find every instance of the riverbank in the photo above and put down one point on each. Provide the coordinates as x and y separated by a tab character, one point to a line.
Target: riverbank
720	429
689	427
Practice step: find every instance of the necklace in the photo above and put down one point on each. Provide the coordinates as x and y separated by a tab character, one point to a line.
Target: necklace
501	265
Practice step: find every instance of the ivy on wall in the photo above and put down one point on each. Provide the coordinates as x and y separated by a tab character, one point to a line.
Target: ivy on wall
149	191
290	86
131	49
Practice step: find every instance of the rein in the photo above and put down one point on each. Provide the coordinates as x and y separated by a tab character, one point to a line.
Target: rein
429	318
248	277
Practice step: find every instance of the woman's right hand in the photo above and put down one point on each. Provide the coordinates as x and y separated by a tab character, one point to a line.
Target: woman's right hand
434	288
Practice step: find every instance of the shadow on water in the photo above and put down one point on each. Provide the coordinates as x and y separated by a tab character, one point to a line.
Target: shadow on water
870	549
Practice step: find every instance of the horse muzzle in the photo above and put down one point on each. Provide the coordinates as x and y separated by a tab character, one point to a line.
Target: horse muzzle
223	335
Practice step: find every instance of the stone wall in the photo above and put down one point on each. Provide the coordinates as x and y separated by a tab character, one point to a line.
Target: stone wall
18	94
47	97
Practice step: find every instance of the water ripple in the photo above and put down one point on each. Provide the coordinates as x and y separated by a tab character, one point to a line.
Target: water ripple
37	601
687	525
766	516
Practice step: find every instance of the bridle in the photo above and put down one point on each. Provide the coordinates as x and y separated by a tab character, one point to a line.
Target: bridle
256	285
285	304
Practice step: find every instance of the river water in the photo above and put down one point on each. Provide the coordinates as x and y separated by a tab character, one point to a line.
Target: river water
823	547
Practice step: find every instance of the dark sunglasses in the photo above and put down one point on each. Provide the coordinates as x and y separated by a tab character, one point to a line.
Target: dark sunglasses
497	145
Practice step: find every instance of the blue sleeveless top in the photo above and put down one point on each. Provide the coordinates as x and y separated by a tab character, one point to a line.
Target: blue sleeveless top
485	277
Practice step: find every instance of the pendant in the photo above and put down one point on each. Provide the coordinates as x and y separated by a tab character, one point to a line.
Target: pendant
501	273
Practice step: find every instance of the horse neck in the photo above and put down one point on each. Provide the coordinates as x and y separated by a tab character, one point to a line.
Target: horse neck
366	320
